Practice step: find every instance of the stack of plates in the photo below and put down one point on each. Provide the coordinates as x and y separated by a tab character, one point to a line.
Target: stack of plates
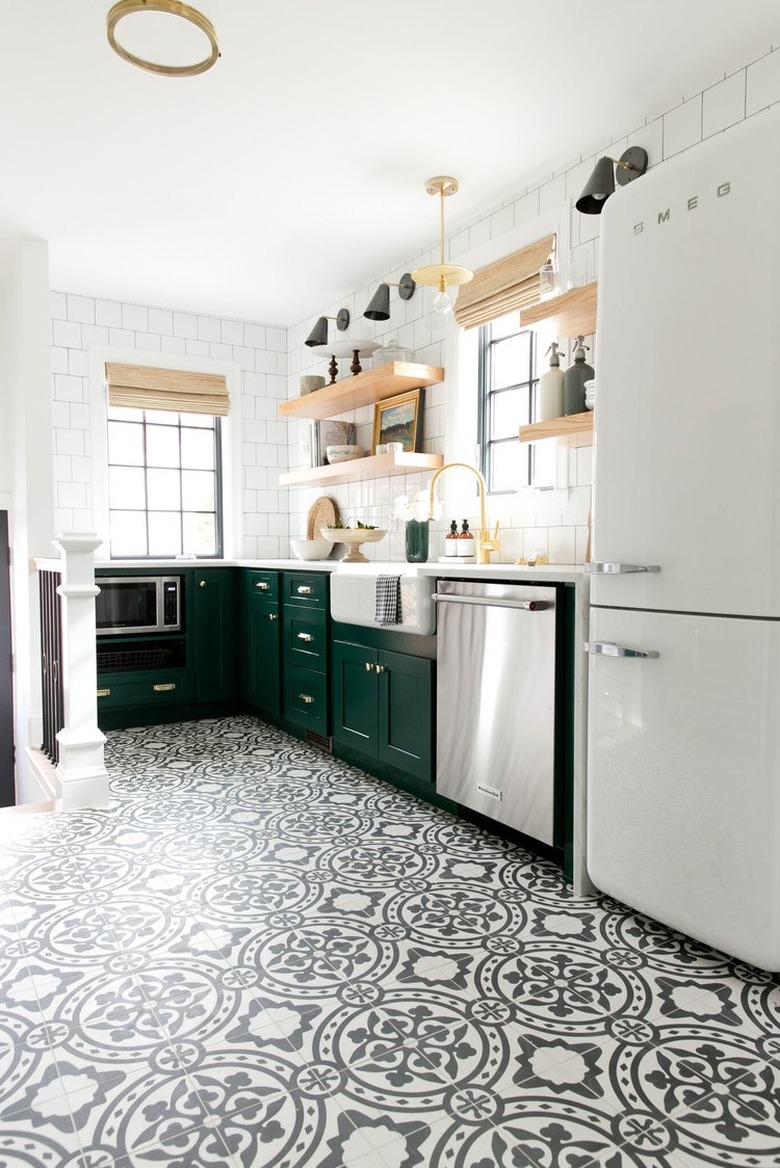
590	394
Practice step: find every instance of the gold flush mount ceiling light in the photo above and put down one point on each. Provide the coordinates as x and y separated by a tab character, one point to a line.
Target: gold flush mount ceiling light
167	37
442	276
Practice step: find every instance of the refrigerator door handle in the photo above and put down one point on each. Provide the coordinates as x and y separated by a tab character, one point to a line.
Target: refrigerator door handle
608	568
610	649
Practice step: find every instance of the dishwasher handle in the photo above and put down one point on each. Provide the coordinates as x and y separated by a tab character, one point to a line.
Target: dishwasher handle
492	602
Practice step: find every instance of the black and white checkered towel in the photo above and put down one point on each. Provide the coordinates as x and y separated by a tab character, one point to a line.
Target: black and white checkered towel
388	600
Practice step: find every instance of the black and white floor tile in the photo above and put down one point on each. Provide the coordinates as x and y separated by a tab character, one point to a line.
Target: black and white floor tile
260	957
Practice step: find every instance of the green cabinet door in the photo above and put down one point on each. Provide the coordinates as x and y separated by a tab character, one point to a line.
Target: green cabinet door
405	712
212	608
260	641
354	697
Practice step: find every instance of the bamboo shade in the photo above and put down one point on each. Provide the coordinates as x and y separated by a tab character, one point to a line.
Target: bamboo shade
508	284
142	387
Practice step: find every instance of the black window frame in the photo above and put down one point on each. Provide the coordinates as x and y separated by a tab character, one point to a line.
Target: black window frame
488	393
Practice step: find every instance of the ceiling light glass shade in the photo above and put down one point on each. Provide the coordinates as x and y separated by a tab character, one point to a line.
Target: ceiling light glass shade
319	334
379	305
167	37
441	275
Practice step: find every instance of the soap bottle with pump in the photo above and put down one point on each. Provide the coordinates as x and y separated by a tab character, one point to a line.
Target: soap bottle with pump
574	380
549	401
466	542
452	540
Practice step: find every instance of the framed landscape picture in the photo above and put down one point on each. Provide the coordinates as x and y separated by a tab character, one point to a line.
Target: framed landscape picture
399	419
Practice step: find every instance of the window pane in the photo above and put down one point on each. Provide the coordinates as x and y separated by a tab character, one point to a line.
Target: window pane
128	533
161	418
509	412
544	458
197	488
509	466
197	449
162	446
126	487
164	490
204	420
124	414
511	360
164	533
199	535
125	443
504	326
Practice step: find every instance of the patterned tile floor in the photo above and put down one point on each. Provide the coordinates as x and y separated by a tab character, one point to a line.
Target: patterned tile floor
260	957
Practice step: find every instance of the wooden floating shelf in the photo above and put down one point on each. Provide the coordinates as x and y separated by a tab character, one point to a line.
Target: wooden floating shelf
374	466
573	430
364	389
572	314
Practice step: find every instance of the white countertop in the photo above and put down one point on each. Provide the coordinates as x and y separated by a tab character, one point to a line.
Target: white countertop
564	573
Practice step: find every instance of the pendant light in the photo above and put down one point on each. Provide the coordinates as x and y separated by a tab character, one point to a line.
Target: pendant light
442	276
166	37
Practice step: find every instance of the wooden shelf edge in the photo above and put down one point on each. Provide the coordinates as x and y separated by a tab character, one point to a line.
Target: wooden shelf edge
364	389
572	314
373	466
573	430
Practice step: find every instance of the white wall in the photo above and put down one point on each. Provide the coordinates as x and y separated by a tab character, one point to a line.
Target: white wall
553	523
83	329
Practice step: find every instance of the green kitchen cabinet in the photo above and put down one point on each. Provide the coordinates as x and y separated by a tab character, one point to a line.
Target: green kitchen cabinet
305	690
383	706
261	641
212	631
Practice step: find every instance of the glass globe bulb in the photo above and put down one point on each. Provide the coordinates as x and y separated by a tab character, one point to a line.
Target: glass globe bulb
442	302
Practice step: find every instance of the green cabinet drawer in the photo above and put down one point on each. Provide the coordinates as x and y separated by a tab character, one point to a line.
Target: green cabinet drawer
306	698
263	584
309	588
164	687
305	637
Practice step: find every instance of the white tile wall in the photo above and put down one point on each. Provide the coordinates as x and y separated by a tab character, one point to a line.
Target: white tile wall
272	359
80	321
555	523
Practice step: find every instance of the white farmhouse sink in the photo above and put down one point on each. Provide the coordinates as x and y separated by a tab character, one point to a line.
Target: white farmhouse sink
353	597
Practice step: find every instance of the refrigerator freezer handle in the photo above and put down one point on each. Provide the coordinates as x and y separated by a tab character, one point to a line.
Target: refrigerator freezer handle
609	649
608	568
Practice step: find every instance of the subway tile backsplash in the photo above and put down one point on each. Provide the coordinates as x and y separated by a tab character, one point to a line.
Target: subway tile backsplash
272	359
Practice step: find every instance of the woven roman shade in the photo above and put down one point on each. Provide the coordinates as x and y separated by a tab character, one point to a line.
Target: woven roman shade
508	284
142	387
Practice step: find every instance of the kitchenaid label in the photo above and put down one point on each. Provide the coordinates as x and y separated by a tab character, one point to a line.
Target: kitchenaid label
691	204
491	792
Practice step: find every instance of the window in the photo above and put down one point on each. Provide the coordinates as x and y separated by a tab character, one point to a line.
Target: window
164	483
508	380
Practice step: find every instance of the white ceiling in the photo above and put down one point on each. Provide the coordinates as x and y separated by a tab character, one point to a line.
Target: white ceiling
293	172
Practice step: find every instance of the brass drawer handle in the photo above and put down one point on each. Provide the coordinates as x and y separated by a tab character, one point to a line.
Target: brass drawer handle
164	687
261	585
305	637
303	590
369	666
272	616
104	693
307	699
201	583
379	669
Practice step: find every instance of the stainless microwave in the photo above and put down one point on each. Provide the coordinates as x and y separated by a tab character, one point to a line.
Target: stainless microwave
138	604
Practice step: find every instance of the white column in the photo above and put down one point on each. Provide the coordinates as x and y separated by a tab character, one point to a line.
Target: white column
82	779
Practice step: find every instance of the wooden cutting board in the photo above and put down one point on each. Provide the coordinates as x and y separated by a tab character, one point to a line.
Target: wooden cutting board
322	513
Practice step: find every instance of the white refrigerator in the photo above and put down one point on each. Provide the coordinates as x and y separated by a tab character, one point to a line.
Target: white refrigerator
684	639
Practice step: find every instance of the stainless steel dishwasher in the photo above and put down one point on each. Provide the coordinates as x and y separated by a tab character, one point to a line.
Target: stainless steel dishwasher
496	701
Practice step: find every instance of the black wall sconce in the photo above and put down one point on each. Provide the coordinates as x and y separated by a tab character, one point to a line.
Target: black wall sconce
601	184
319	334
379	304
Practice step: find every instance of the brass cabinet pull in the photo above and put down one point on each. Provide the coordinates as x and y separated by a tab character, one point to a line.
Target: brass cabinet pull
369	666
164	687
379	669
201	583
272	616
305	637
104	693
262	585
303	590
307	699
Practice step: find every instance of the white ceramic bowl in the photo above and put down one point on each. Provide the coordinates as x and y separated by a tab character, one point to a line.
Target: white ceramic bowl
343	453
311	549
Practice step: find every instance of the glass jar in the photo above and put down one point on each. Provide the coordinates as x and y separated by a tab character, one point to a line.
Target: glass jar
416	541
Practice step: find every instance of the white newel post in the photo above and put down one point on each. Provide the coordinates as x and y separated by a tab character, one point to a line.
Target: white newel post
82	779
